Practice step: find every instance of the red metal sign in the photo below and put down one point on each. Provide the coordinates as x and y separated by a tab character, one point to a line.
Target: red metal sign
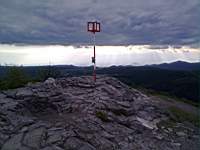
94	27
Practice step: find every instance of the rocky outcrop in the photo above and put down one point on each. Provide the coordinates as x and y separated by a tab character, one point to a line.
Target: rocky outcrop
74	113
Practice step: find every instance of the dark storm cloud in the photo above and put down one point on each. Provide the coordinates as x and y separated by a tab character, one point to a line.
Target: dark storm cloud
125	22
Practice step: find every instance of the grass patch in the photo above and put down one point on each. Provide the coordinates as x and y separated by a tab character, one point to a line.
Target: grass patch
180	115
165	96
168	97
102	115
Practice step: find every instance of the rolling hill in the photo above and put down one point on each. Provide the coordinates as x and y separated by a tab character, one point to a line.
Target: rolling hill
178	79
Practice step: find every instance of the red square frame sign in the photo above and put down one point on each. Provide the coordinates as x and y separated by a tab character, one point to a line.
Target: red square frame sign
94	27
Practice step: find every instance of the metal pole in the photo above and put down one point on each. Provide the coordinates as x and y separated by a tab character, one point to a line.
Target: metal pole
94	71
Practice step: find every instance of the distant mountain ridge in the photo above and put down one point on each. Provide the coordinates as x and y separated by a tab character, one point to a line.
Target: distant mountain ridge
180	79
178	65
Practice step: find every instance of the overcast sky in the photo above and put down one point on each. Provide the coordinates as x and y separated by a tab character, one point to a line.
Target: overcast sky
124	22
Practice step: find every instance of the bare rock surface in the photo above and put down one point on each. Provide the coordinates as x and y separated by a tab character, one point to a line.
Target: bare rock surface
76	114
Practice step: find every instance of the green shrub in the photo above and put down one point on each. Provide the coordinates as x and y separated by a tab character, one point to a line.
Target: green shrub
15	78
102	115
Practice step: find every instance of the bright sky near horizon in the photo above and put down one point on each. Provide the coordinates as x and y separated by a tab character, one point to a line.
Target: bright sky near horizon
106	55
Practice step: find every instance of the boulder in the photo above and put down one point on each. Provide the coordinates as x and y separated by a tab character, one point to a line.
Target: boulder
23	92
50	81
34	138
14	143
73	143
